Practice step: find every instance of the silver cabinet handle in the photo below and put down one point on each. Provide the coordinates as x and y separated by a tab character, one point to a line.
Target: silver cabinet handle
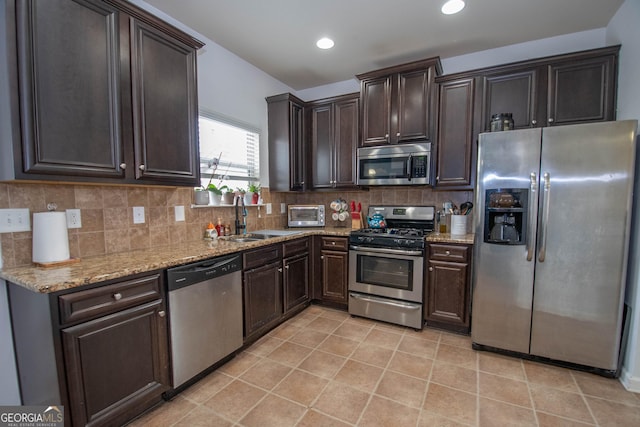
321	256
161	313
280	270
545	217
123	165
333	243
447	252
430	268
533	185
398	134
141	167
550	120
286	266
534	122
117	296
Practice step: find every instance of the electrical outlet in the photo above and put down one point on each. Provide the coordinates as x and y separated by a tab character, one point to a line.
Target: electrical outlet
14	220
283	208
74	220
138	214
179	213
269	208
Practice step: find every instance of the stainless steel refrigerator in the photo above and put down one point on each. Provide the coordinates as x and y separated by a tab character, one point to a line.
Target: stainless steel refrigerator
553	211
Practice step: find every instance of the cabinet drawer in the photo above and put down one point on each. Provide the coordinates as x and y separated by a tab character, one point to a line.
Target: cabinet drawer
295	247
448	252
85	305
262	256
334	243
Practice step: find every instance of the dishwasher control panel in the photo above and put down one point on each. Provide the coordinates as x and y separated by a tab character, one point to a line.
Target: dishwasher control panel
179	277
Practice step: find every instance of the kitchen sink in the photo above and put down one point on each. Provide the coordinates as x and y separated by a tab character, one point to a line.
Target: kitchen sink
248	238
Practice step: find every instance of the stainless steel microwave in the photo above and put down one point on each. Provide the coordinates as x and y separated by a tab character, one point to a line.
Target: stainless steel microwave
305	216
402	164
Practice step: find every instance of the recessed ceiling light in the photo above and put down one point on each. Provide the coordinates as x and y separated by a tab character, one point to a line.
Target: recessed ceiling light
325	43
452	6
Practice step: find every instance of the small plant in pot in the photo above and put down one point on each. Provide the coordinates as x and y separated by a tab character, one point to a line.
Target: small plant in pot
254	190
201	196
228	195
216	193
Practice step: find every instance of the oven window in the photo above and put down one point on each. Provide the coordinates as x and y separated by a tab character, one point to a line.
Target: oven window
387	272
306	214
383	168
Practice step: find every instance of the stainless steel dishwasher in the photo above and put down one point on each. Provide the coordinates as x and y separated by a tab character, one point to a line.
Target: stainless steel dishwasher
205	314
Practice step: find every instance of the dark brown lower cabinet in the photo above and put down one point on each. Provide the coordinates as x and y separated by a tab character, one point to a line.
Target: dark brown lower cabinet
101	352
116	365
295	277
332	272
447	295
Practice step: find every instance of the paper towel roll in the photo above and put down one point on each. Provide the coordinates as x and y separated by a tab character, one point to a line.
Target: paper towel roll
50	239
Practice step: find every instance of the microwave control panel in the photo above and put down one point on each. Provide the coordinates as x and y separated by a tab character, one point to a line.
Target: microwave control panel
419	167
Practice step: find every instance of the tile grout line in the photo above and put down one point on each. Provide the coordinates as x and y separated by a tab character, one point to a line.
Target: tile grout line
426	392
584	399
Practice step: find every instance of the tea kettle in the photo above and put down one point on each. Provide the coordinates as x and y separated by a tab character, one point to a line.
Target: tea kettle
377	221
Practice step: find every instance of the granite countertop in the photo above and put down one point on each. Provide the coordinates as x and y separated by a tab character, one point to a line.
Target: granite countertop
113	266
450	238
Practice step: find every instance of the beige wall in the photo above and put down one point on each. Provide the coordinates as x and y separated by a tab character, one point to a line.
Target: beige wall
107	219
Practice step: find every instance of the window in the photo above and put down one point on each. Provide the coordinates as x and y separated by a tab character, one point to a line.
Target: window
229	150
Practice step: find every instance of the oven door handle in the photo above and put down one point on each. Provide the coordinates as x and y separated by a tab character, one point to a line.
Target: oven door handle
386	251
385	301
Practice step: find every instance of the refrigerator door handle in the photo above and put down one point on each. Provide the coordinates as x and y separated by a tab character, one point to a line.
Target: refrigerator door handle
545	217
530	223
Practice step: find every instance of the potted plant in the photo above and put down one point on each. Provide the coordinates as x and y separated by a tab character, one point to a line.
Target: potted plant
215	193
201	196
254	190
228	195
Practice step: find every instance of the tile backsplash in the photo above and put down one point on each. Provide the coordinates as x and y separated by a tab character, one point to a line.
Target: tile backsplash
107	213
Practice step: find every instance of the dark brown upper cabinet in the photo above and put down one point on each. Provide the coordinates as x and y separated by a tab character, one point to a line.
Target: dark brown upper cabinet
104	92
287	156
397	103
334	124
565	89
458	126
560	90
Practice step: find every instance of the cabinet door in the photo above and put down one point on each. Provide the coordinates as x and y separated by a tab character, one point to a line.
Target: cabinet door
581	91
447	294
514	92
296	281
117	365
455	164
412	113
69	62
335	268
346	132
262	298
322	146
376	111
165	107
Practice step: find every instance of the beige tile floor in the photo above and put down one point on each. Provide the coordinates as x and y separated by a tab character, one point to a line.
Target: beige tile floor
324	368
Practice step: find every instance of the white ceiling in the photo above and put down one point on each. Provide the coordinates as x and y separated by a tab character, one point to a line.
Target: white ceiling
278	36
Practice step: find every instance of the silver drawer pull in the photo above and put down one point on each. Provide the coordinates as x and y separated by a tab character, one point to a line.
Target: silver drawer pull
447	252
117	296
430	268
161	313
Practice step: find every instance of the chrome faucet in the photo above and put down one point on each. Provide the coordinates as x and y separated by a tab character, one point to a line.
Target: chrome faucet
241	225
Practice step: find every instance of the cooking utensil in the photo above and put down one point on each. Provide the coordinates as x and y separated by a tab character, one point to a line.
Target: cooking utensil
465	208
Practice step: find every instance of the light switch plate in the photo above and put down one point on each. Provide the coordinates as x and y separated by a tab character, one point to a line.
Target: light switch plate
74	220
138	214
179	213
14	220
269	208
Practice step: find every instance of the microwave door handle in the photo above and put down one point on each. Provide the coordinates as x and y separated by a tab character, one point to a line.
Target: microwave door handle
410	167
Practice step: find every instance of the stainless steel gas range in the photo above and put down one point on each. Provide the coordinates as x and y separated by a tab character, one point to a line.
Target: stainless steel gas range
386	266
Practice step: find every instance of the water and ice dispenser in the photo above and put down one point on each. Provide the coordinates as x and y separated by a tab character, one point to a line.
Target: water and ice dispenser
505	216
